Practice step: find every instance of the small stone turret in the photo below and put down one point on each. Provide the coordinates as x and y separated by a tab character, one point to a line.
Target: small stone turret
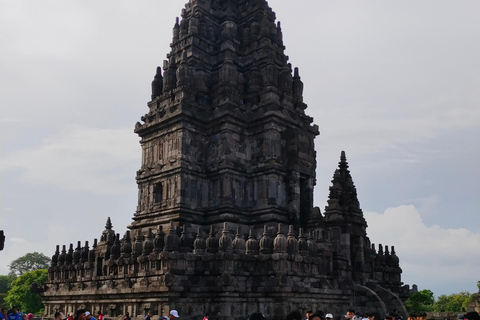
157	84
212	242
159	242
200	245
172	241
225	241
116	248
54	261
266	242
280	243
292	242
252	246
126	248
148	244
137	245
239	243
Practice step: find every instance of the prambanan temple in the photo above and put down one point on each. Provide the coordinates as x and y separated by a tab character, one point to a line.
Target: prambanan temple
225	222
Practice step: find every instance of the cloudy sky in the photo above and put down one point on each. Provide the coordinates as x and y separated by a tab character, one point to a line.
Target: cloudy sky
393	83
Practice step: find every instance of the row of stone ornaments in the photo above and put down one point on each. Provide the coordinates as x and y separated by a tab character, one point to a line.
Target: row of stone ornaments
142	246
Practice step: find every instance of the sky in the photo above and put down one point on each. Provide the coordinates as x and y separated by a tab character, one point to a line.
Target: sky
395	84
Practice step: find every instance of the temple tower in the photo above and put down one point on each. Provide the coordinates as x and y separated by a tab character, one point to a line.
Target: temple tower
226	137
225	222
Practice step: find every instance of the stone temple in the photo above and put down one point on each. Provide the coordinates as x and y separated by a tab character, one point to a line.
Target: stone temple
225	221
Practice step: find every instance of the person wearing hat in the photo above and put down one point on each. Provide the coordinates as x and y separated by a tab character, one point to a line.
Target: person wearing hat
472	315
173	314
89	316
329	316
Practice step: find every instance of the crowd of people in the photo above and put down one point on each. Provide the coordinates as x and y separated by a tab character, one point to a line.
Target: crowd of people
82	314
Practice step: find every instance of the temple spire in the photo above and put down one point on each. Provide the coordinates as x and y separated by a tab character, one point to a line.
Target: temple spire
343	194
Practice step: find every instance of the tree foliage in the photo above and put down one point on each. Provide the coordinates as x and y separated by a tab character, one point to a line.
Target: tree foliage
21	295
29	262
421	301
454	302
6	283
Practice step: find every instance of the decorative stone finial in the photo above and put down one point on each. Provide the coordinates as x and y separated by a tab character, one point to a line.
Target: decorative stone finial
225	242
172	241
200	244
55	257
280	242
126	249
252	247
115	251
292	243
212	242
84	253
266	242
61	257
238	243
69	255
302	243
77	254
148	244
157	84
159	242
108	224
138	245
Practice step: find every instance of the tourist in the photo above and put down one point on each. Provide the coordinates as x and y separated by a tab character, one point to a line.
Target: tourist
58	316
398	316
369	316
317	316
206	316
127	316
350	314
308	314
14	314
149	315
472	315
256	316
100	315
89	316
294	315
173	314
80	314
3	313
329	316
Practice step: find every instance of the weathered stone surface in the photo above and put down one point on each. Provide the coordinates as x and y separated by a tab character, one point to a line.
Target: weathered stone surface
226	182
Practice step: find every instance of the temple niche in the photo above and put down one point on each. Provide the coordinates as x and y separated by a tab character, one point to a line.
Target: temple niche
225	222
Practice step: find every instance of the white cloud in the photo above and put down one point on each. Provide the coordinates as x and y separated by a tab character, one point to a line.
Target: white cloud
427	253
17	247
78	158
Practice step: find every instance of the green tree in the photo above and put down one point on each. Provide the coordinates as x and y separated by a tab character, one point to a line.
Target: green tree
21	295
420	301
454	302
29	262
6	283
